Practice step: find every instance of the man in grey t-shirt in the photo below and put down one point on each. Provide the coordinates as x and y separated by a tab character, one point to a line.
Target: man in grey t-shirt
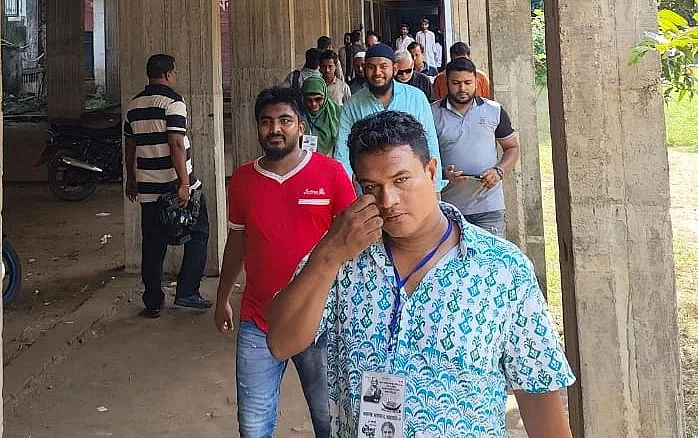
468	128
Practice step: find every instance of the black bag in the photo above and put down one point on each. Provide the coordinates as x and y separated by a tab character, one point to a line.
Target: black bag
296	82
177	221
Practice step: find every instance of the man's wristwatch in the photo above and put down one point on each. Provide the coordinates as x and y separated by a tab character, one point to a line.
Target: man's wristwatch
499	171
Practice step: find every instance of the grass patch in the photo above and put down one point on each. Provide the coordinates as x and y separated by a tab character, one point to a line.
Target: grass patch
682	124
686	260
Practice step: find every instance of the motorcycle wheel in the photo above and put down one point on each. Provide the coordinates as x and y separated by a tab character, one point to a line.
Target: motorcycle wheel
70	183
12	281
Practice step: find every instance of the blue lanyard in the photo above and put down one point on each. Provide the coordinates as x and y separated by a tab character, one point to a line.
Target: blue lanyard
401	282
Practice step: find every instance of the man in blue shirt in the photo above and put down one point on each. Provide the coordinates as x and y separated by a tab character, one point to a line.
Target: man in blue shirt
384	93
430	320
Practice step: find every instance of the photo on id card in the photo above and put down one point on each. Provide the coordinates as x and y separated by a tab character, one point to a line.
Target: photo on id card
382	406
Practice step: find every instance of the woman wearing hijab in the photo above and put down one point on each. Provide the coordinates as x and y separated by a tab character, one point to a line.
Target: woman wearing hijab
322	114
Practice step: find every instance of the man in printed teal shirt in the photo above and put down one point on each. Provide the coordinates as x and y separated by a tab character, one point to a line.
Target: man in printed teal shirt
384	93
438	318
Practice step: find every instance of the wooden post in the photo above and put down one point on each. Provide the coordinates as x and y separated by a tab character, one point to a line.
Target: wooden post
65	71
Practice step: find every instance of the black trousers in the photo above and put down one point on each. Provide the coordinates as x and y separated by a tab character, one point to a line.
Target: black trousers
155	248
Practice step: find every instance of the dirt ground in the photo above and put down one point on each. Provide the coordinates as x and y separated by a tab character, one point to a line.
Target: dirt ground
63	258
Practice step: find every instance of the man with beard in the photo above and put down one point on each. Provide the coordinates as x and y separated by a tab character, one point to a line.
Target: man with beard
279	207
359	81
407	291
461	50
469	128
384	93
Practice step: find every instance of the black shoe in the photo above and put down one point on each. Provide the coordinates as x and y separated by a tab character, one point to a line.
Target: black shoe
152	313
193	301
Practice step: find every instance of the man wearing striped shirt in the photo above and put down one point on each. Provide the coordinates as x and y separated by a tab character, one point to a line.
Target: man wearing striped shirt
158	161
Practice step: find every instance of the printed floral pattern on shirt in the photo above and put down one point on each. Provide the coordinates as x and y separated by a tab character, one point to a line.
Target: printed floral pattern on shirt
474	327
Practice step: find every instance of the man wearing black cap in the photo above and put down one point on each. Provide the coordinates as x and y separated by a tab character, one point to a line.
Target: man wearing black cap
384	93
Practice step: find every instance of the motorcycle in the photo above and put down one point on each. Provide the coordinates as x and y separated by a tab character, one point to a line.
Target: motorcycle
11	272
78	158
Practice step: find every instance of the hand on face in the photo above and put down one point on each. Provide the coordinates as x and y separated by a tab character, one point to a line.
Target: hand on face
354	229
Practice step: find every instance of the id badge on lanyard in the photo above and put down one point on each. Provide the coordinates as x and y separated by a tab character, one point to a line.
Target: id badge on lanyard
309	143
382	407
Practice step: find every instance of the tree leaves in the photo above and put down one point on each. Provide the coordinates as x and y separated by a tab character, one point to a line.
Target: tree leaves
677	45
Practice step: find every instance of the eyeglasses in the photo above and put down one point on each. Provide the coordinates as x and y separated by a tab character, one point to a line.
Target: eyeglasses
407	71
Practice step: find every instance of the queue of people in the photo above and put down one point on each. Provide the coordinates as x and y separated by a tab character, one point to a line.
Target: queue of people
372	233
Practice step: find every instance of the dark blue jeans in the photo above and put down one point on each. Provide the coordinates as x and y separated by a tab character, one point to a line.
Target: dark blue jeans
154	250
259	382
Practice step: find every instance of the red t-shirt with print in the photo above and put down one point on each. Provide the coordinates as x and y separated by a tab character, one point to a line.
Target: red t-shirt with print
283	217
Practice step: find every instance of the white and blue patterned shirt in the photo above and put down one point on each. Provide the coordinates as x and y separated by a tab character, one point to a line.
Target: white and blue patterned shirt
474	327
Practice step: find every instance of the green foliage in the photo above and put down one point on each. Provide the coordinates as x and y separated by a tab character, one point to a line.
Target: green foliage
539	57
677	45
685	8
536	5
682	125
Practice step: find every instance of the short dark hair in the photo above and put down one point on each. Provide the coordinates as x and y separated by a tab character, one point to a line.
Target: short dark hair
385	130
329	54
415	44
425	20
312	59
347	34
275	95
405	25
390	426
159	65
461	64
372	33
460	49
355	36
324	42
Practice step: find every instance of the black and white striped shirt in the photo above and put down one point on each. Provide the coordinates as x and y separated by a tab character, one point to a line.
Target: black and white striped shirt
151	115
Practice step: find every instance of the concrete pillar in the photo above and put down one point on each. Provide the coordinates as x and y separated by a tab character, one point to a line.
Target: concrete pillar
99	39
478	33
188	30
312	21
612	201
264	47
65	71
499	35
339	21
112	89
510	56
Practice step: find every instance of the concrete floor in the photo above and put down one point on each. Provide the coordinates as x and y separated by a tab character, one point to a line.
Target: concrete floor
169	377
172	377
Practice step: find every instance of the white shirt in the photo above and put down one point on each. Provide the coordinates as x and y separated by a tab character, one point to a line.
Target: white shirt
428	41
438	55
402	42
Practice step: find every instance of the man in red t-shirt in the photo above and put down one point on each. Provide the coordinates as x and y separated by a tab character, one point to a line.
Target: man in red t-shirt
279	207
